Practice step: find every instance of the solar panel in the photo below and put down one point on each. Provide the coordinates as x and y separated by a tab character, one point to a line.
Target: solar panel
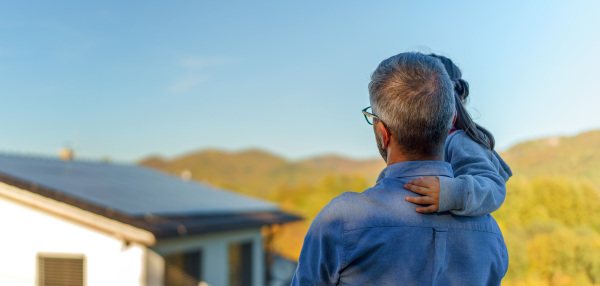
133	190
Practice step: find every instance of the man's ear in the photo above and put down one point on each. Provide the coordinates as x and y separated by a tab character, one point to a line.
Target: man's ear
385	135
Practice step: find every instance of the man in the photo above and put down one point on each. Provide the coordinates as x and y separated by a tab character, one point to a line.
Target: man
376	237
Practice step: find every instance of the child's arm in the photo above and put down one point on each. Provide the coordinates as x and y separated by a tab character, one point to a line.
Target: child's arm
478	187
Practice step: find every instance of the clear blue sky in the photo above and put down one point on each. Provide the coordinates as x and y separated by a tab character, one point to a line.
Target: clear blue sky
127	79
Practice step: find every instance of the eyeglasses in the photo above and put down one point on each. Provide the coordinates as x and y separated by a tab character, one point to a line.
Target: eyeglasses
369	116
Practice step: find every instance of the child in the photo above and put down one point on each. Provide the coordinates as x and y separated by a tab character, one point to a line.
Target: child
479	186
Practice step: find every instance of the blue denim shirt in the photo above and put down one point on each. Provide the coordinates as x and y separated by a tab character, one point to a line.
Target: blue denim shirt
377	238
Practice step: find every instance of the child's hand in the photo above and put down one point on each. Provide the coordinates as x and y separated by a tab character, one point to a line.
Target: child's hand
429	187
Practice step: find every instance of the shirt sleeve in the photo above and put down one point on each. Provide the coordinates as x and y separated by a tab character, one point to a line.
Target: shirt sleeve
478	187
322	254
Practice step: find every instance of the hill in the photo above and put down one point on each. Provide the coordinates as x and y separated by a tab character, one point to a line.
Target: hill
258	172
577	156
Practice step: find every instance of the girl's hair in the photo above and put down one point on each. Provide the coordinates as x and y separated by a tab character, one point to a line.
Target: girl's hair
463	118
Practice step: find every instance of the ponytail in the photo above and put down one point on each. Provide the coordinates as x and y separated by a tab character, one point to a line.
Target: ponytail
463	118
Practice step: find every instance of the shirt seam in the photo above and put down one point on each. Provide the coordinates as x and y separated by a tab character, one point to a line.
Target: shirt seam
368	227
344	263
431	175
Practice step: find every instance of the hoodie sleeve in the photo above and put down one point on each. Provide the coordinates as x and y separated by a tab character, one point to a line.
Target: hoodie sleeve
480	175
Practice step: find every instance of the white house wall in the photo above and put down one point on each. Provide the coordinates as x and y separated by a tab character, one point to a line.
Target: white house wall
155	268
27	231
215	257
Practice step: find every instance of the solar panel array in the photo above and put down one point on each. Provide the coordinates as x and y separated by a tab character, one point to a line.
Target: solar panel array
133	190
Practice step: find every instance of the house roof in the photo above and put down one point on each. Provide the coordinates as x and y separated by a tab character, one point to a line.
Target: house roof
162	204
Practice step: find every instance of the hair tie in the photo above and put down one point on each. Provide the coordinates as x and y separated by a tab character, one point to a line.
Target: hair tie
458	86
462	89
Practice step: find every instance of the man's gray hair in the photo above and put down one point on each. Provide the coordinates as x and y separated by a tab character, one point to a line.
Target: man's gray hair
413	96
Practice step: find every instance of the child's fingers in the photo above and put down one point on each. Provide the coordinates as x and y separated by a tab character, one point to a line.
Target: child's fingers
416	189
431	179
420	200
428	209
422	182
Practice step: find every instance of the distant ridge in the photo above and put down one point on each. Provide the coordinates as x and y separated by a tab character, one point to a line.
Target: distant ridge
257	172
575	156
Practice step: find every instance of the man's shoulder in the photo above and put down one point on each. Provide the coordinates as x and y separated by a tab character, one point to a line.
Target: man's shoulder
333	216
381	206
345	205
345	200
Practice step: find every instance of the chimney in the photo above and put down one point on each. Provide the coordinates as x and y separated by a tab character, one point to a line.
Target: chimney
186	175
66	154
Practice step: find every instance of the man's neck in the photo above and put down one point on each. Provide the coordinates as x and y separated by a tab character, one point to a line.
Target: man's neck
396	155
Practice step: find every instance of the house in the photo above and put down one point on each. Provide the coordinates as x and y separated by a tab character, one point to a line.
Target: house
66	222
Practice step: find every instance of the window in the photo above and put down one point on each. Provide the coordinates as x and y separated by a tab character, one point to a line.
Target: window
59	270
240	264
183	269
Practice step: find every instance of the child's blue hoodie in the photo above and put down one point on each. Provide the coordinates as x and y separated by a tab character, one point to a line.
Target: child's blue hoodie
479	186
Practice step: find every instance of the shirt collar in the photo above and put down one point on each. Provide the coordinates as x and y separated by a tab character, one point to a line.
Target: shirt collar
417	169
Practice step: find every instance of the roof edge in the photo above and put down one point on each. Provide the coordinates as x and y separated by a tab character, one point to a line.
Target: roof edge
65	210
184	226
